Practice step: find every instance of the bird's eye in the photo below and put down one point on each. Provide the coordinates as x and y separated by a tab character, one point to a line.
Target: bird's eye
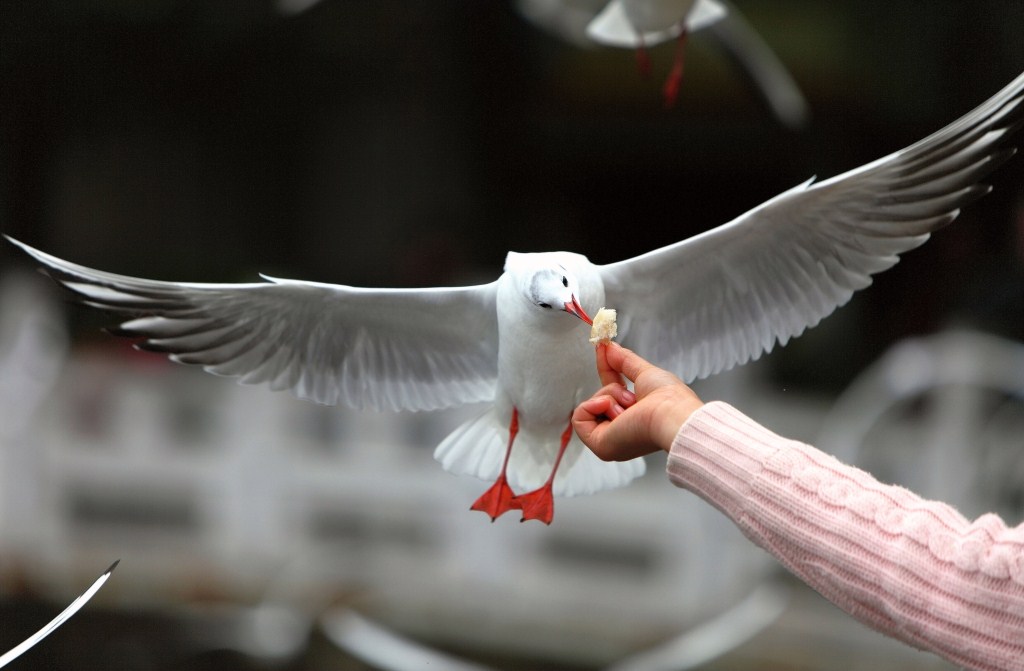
565	282
544	305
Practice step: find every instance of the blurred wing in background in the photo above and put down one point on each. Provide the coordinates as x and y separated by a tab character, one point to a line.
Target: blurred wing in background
762	67
396	349
66	614
726	296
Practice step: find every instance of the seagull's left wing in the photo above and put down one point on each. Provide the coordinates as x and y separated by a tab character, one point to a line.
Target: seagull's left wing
726	296
66	614
388	349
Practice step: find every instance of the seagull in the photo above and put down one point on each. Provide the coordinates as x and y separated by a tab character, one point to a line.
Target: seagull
578	22
697	307
641	23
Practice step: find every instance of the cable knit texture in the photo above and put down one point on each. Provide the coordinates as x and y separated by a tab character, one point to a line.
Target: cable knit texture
913	569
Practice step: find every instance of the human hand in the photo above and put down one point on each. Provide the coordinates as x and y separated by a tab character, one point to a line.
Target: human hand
617	424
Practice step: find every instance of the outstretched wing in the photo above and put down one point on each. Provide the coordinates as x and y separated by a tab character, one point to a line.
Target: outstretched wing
726	296
411	349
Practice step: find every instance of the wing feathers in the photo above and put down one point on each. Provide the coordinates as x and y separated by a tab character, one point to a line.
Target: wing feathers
728	295
383	348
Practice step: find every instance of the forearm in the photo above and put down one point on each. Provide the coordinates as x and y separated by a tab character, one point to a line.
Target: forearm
913	569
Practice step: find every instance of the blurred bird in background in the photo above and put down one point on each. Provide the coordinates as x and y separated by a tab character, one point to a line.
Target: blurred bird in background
641	24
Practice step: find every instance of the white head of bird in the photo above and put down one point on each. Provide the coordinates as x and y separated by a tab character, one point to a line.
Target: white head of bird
549	283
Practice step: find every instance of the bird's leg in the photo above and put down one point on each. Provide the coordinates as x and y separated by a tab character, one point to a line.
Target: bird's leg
675	77
643	58
499	498
540	503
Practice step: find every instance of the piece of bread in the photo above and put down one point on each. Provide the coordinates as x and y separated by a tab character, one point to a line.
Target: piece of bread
604	327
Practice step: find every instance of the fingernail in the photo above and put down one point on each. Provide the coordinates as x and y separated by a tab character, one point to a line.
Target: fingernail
629	396
618	410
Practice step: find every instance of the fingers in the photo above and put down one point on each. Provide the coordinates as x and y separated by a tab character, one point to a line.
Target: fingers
618	424
608	375
620	360
600	408
607	403
619	393
610	431
593	412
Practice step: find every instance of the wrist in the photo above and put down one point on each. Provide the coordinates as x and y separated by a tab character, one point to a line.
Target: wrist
670	415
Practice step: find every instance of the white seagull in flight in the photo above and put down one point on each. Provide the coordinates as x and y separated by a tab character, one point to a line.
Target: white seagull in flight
639	24
696	307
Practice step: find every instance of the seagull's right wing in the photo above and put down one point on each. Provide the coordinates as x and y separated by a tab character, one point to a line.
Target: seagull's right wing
395	349
728	295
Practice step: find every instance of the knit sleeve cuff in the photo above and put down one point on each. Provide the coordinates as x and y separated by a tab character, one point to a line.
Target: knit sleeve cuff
718	453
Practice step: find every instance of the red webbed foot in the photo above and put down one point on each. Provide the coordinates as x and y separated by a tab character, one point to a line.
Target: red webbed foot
497	500
500	498
538	504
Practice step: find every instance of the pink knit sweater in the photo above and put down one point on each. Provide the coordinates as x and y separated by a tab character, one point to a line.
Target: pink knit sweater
913	569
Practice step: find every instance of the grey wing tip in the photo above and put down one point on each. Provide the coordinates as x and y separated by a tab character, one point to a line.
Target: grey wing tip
944	220
50	266
28	249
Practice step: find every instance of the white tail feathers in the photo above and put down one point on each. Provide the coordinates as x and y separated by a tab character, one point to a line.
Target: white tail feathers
478	447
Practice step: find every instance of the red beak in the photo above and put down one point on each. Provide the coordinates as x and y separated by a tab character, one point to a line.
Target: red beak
574	308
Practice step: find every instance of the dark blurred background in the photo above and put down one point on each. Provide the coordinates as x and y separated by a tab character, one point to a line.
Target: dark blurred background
401	143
